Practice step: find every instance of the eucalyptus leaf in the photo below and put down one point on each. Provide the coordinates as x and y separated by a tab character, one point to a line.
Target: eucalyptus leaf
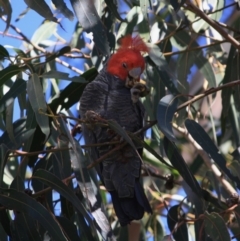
5	4
63	76
62	7
89	19
23	203
41	7
38	103
202	138
166	108
215	227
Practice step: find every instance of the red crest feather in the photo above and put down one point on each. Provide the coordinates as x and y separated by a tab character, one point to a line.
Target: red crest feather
127	57
135	43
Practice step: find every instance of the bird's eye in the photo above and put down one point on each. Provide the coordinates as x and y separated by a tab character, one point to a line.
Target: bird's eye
124	65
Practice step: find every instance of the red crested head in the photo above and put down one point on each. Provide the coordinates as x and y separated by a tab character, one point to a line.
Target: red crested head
128	61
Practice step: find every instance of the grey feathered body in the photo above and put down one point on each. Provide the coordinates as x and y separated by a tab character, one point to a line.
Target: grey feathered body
108	97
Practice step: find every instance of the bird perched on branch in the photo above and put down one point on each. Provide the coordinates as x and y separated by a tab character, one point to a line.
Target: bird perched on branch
114	94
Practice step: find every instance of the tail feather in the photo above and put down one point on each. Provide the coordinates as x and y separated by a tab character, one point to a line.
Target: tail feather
128	209
141	197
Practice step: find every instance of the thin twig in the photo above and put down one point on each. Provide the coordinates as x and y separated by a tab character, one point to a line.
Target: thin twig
212	166
25	38
190	6
208	92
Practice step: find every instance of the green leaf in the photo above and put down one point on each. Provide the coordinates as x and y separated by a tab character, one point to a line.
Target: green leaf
179	163
89	19
23	203
149	149
45	163
227	92
234	168
51	180
20	53
17	88
203	139
166	108
177	4
134	17
20	132
9	120
215	227
45	31
36	145
72	92
41	7
8	73
167	76
69	228
144	5
3	53
62	51
120	131
62	7
17	184
38	103
26	228
186	60
112	4
7	9
202	25
181	233
5	228
4	153
63	76
86	184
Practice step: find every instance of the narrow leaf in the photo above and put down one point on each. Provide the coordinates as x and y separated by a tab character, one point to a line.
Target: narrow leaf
17	88
215	227
149	148
69	228
166	75
51	180
37	100
179	163
133	18
87	185
181	233
22	202
63	76
9	120
3	52
45	31
41	8
27	227
4	153
62	51
72	92
203	139
112	4
8	73
7	9
166	108
20	132
88	17
120	131
62	7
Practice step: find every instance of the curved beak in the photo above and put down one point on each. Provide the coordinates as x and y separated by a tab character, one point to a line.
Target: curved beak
133	77
135	72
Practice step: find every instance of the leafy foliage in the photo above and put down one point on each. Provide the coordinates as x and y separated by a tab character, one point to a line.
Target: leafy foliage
48	186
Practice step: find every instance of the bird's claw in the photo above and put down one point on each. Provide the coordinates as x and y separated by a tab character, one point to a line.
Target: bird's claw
139	90
92	116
